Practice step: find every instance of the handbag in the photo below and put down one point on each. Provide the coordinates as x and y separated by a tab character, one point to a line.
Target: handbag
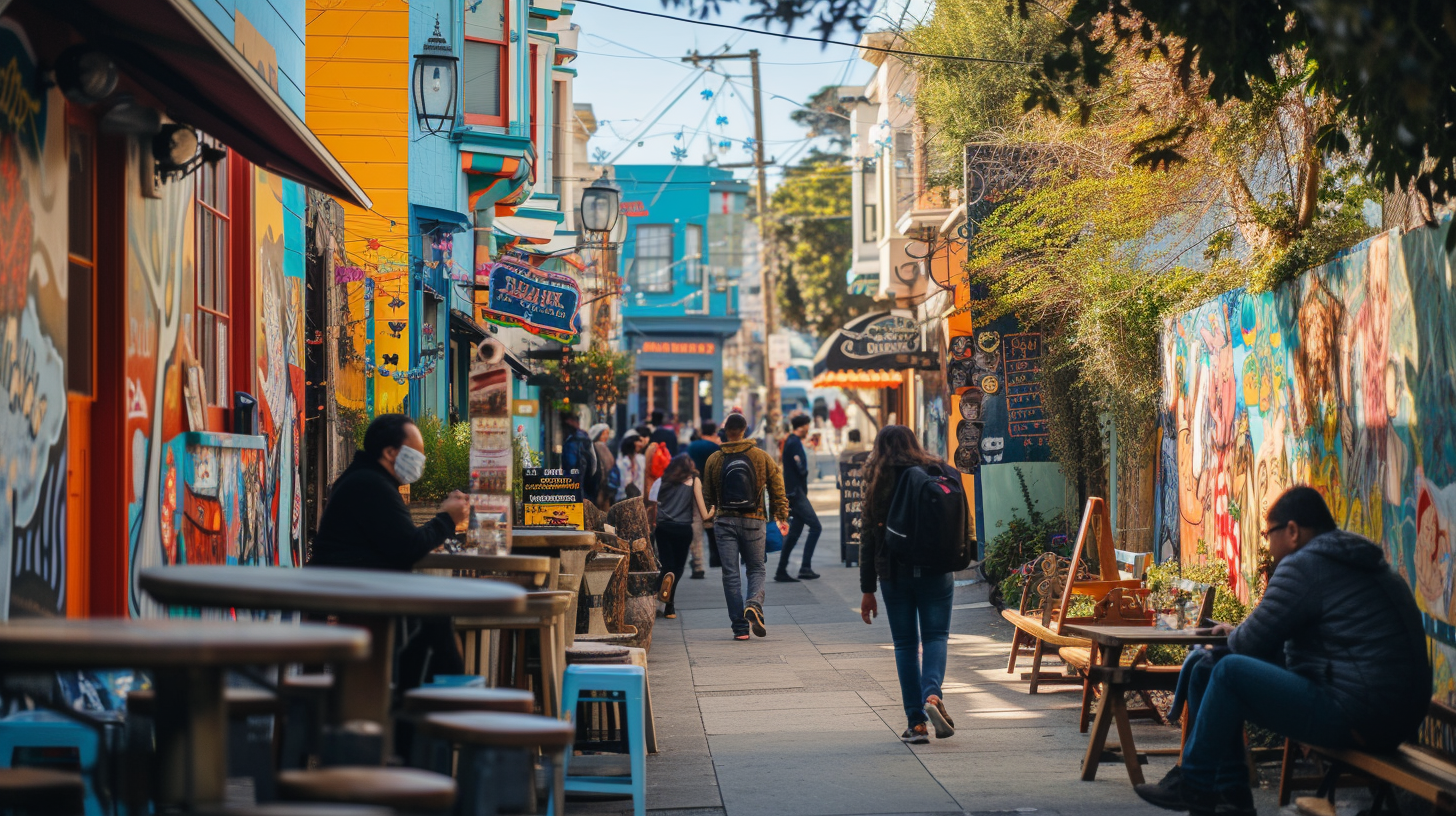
773	540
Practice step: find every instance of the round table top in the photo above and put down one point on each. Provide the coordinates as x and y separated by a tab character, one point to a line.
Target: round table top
485	563
552	539
330	591
48	644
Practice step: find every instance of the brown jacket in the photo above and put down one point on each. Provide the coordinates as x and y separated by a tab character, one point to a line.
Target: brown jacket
769	476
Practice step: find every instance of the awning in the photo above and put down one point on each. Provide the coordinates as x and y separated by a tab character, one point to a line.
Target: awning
880	341
172	50
531	225
457	221
858	379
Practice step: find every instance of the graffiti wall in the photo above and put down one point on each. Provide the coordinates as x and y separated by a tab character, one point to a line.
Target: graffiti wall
33	281
1344	379
194	496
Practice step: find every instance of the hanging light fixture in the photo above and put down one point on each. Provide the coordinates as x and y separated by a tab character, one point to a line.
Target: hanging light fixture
434	81
601	204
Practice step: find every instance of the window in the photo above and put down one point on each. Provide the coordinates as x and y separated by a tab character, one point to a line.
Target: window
652	258
484	100
81	257
871	224
212	315
904	173
693	255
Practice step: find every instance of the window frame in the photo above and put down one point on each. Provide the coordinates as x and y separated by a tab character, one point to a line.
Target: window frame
693	267
505	72
666	285
77	119
217	400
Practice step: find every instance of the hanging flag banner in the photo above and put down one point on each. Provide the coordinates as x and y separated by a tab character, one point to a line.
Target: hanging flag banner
541	302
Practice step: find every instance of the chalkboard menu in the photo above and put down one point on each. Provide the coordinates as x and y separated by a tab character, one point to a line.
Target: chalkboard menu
995	374
851	505
552	498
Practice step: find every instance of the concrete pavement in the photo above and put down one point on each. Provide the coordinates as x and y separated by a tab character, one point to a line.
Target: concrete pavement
807	721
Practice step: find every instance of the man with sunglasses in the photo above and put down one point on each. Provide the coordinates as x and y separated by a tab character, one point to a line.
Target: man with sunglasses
1334	655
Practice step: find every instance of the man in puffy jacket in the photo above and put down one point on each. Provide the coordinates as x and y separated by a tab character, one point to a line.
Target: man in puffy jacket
1334	655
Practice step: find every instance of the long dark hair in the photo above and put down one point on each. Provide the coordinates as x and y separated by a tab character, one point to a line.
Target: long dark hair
896	446
679	470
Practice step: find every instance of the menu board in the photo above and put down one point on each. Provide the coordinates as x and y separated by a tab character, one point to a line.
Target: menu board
995	373
490	450
553	498
851	505
1025	412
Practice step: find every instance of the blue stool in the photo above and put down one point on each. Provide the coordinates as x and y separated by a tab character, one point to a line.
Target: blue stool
44	729
625	684
457	681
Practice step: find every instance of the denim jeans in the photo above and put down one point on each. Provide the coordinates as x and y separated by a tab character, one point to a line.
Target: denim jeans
801	515
1243	689
697	549
918	609
741	539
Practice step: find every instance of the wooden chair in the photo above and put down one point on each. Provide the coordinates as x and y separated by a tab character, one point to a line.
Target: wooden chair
1053	582
1133	565
546	614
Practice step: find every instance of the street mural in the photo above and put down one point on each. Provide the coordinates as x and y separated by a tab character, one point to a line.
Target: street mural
1344	379
32	337
199	497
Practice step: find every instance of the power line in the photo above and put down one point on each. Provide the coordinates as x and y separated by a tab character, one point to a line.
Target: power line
894	51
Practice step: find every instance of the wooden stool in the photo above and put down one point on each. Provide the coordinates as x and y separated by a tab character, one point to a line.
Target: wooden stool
446	699
297	809
490	744
407	789
241	702
40	790
545	613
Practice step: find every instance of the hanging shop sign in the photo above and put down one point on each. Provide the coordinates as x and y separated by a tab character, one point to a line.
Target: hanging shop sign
888	341
553	498
22	108
541	302
633	209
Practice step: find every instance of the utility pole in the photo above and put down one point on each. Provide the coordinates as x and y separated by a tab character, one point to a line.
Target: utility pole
766	275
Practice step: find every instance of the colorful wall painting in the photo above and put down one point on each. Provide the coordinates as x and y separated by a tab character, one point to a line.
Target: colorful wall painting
33	282
1344	379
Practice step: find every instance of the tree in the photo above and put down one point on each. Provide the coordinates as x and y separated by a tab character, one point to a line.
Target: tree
824	116
812	246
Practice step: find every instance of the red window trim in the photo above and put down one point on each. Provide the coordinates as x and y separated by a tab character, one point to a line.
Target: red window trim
80	118
535	107
505	73
240	286
217	412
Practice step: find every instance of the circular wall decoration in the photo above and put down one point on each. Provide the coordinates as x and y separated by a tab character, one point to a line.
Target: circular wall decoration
989	341
960	346
990	384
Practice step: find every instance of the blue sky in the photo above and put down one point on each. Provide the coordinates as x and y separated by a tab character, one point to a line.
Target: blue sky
630	72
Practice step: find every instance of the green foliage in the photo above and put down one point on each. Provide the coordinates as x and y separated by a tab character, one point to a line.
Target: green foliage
521	457
598	378
447	459
1022	541
1340	224
823	116
352	425
812	245
1163	594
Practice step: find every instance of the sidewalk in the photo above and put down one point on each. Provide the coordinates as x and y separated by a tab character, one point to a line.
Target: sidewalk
806	722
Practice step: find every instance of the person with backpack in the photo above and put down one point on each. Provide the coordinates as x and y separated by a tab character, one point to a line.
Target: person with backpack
678	494
915	536
733	483
578	452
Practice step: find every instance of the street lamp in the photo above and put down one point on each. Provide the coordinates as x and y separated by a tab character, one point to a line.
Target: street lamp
434	82
601	204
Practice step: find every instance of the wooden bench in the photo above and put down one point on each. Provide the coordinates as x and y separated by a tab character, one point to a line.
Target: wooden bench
1133	565
1054	581
1424	772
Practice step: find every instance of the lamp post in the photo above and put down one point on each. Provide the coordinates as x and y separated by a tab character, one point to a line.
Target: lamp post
434	84
601	206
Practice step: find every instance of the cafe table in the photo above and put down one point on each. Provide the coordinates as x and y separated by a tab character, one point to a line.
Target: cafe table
1116	679
529	571
371	599
567	548
188	659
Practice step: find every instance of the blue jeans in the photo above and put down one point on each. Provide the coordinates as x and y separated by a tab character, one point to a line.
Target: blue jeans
743	538
801	515
1243	689
918	609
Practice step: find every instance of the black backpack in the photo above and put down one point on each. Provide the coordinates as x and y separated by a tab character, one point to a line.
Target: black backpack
927	523
738	487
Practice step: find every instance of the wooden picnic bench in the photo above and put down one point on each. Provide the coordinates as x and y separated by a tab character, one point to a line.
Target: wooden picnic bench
1421	770
1054	581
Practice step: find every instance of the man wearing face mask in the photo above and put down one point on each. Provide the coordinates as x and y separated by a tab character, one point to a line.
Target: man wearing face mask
367	524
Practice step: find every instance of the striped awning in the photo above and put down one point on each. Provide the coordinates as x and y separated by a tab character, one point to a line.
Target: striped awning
502	181
876	378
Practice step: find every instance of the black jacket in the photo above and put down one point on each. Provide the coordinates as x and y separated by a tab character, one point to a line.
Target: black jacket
874	561
366	523
1335	613
796	467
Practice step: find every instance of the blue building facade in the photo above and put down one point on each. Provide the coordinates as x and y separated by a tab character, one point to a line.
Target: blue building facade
682	261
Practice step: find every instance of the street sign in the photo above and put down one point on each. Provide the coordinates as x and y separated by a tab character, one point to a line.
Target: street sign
541	302
779	350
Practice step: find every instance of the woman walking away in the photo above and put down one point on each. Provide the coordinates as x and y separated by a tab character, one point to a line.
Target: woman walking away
917	599
601	436
678	493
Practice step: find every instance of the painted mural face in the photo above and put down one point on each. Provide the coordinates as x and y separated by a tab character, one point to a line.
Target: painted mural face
1344	379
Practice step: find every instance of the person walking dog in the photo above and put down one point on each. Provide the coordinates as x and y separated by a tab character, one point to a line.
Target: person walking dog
915	537
734	483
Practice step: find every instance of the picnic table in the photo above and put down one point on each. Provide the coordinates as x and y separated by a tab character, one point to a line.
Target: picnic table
1116	679
371	599
188	659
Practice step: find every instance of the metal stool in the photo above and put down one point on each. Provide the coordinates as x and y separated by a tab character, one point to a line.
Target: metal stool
627	684
491	746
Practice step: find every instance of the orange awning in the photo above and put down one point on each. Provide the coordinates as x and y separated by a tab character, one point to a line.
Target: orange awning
877	378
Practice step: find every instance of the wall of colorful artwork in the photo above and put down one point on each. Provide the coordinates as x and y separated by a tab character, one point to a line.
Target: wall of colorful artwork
1344	379
33	289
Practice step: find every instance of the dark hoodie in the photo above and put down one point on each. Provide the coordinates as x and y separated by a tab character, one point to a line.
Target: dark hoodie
366	523
1334	612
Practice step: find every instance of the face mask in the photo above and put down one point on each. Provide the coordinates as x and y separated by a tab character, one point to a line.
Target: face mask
409	465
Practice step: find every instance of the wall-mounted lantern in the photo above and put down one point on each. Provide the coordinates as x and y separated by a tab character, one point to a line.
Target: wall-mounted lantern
434	81
601	204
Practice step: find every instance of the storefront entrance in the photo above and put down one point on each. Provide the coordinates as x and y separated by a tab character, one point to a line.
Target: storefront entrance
677	394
